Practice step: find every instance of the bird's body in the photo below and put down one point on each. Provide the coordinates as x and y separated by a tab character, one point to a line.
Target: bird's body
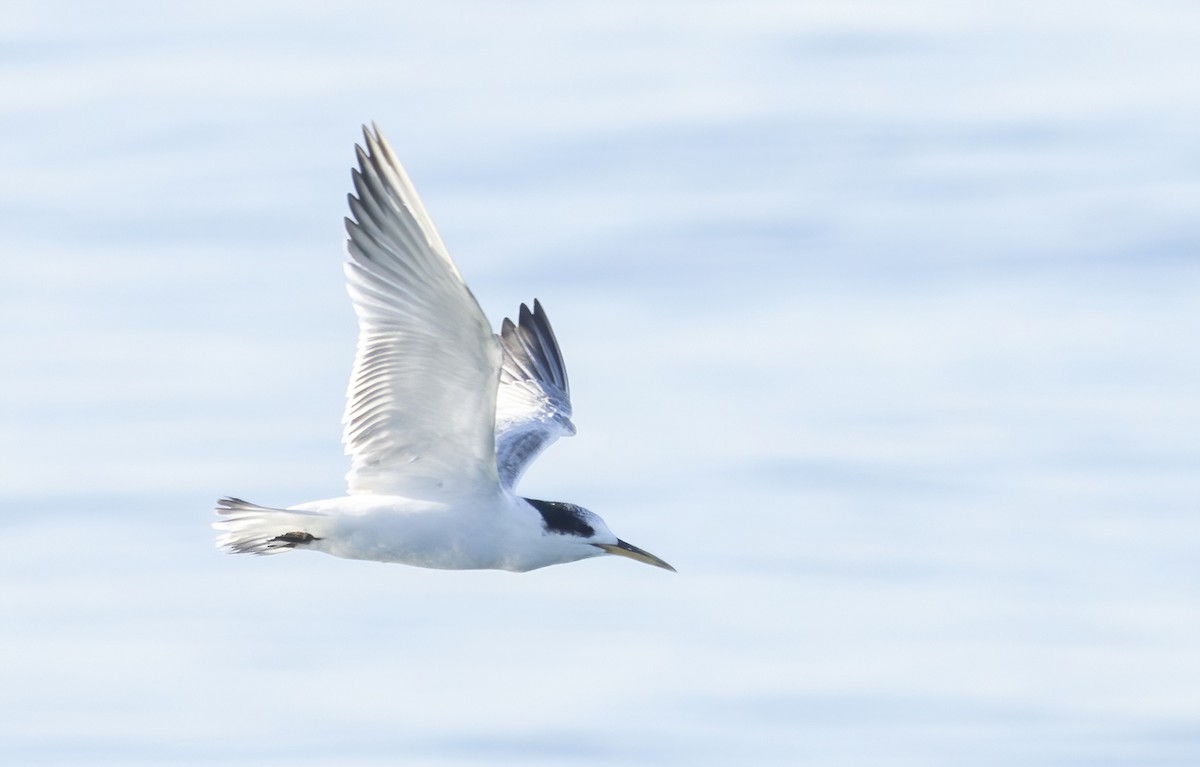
497	531
442	418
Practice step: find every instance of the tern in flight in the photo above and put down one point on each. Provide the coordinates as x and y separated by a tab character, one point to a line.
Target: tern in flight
442	418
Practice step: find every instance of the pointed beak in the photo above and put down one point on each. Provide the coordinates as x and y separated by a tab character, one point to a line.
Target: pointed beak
623	549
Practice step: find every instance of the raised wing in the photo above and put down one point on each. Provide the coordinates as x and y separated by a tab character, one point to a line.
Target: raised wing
533	407
421	403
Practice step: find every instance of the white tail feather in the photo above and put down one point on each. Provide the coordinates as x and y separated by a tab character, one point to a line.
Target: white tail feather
247	528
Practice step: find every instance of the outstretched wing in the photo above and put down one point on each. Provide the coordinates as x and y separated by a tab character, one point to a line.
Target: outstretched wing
421	403
533	406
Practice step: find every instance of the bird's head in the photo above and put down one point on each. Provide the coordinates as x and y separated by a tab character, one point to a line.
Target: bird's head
578	526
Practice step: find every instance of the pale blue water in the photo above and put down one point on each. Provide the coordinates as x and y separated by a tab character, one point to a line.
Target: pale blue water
881	324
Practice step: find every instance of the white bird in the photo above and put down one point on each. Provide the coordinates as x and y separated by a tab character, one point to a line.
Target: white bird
442	418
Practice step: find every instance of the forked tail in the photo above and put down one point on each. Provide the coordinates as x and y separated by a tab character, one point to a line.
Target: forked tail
247	528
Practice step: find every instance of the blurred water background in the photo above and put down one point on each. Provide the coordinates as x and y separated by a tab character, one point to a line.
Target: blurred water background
881	320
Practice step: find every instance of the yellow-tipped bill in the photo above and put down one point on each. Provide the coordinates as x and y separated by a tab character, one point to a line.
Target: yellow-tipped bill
623	549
